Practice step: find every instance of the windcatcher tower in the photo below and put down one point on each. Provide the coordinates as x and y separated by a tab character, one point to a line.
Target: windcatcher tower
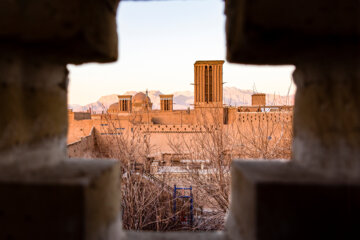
208	85
166	102
125	103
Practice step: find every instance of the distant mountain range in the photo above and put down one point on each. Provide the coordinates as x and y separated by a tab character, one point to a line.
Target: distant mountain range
182	100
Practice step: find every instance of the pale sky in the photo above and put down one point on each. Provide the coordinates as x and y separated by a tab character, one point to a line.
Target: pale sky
159	42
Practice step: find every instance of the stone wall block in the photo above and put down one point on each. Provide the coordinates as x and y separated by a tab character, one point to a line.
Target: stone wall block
78	199
76	31
11	120
33	98
45	98
287	32
273	200
327	118
241	220
103	205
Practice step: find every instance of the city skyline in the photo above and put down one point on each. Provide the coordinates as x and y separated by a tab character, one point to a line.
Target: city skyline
158	55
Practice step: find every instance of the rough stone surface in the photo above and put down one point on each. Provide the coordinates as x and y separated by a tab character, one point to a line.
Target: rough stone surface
76	31
130	235
33	108
42	195
287	32
327	118
277	200
77	199
29	157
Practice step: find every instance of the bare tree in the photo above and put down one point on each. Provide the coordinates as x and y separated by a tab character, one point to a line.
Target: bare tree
209	150
214	145
264	135
146	200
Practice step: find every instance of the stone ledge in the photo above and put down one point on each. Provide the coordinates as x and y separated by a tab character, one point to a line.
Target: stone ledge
286	32
78	199
76	31
131	235
276	200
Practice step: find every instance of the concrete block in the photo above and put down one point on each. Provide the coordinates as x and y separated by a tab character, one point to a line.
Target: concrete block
276	200
286	32
76	31
78	199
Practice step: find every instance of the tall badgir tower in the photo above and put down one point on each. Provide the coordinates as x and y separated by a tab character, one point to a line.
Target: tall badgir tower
208	86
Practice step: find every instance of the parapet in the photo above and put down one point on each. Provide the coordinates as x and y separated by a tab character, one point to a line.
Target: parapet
209	62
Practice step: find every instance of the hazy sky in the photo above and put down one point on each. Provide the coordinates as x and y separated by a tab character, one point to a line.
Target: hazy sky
158	44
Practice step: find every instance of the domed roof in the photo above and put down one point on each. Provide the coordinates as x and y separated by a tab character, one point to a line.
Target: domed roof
140	98
113	107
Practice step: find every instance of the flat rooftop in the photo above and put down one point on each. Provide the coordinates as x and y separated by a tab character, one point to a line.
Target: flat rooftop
210	62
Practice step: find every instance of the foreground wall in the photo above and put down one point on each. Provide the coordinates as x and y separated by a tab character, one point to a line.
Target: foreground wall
49	196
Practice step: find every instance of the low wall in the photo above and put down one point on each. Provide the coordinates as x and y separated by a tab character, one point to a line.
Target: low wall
161	128
84	148
82	115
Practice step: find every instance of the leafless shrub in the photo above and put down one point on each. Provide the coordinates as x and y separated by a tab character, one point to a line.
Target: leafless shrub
268	135
146	200
214	147
209	151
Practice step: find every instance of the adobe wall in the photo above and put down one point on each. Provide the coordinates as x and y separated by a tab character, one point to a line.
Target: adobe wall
176	117
78	128
264	135
82	115
173	128
272	131
232	115
268	117
84	148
